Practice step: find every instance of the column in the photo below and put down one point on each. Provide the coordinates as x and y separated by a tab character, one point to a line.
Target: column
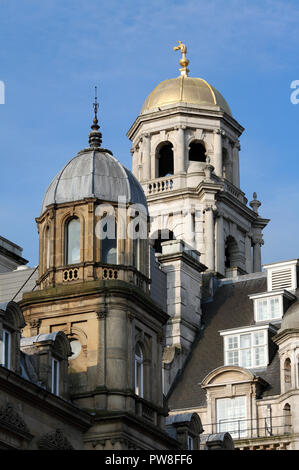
248	260
220	245
257	257
236	169
210	237
146	149
189	226
218	152
179	157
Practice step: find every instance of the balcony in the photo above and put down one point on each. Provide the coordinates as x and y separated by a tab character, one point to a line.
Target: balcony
259	433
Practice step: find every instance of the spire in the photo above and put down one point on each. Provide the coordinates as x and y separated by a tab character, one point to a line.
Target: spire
184	61
95	137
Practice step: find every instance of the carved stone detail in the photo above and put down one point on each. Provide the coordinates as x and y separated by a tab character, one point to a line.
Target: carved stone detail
54	441
12	419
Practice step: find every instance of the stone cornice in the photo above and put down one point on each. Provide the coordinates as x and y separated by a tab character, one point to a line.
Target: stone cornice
137	421
95	288
238	206
39	398
187	111
183	256
12	256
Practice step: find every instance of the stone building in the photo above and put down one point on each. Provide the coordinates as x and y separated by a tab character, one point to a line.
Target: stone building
149	323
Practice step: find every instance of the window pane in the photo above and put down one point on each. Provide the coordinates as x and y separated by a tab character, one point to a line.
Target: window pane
259	355
232	358
258	338
274	308
232	342
245	357
73	242
245	341
109	241
55	376
262	310
231	416
6	349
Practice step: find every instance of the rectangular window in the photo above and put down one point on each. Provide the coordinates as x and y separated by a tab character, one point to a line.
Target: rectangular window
246	350
268	309
190	443
231	416
6	348
55	377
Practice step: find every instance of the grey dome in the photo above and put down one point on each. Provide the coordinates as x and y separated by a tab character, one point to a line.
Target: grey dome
291	318
94	173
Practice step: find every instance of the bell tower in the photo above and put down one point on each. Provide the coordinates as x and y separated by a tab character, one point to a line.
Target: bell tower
185	150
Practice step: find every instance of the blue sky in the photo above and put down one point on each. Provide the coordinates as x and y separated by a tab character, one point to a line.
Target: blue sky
53	52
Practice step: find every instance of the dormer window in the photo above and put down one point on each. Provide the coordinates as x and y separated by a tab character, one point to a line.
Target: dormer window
270	306
6	348
268	309
55	377
246	347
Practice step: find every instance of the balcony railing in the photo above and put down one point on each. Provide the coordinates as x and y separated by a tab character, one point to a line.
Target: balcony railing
252	428
160	185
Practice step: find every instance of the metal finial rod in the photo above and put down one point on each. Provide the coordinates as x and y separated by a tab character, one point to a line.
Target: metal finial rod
95	136
96	104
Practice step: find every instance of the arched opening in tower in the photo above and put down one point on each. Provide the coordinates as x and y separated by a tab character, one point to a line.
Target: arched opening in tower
197	152
231	252
162	236
165	160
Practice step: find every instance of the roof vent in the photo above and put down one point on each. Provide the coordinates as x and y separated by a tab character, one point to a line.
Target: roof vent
282	275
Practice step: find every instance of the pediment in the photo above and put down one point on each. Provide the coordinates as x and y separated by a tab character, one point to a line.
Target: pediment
226	375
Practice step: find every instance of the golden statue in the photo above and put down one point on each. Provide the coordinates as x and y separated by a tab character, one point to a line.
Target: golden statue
184	61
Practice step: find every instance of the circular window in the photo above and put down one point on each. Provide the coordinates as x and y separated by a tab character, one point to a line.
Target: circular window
76	349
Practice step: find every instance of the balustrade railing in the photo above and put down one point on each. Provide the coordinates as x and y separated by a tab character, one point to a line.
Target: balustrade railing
252	428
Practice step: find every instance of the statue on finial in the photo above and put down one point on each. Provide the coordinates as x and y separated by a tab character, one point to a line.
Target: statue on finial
184	61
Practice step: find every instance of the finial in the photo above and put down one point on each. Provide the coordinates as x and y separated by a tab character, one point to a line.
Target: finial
184	61
255	204
95	137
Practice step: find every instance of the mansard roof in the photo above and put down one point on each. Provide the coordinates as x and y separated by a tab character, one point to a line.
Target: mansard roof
230	308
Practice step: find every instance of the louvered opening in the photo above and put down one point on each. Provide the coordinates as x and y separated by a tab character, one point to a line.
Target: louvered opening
282	279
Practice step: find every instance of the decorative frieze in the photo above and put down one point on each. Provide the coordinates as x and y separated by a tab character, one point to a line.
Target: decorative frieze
54	441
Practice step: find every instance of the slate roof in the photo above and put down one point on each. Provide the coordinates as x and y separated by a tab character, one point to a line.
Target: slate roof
12	281
230	308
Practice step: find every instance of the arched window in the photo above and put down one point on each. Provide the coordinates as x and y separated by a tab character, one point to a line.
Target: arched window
231	253
138	370
197	152
137	250
109	243
287	419
47	247
287	374
72	245
165	160
226	165
163	236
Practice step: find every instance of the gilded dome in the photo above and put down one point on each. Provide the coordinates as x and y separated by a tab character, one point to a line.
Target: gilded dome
184	89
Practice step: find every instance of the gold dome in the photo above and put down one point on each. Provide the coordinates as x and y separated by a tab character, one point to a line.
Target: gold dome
185	89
